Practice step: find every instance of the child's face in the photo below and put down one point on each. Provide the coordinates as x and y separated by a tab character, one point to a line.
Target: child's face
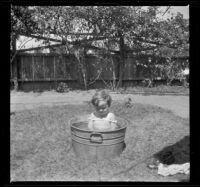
102	109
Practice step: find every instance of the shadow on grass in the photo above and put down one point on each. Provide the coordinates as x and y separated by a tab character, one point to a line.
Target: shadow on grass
41	144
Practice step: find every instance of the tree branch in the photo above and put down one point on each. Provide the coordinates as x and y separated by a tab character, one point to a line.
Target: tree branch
37	48
166	10
41	37
140	49
70	42
95	78
156	43
13	57
99	48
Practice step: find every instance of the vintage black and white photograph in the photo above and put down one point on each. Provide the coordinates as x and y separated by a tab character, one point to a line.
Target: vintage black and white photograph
99	93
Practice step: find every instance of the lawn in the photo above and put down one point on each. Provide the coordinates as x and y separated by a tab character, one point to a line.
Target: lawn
41	144
157	90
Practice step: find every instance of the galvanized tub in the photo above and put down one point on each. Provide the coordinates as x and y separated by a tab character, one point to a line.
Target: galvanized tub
98	145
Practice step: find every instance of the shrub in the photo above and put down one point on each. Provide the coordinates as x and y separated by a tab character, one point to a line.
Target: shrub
62	87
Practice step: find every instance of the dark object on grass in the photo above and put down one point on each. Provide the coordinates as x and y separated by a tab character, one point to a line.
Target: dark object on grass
184	180
177	153
12	113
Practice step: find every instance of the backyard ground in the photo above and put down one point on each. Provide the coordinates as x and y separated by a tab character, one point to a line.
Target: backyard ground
179	104
41	143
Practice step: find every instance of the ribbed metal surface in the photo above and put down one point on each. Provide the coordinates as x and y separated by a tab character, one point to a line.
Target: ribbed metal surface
112	141
97	145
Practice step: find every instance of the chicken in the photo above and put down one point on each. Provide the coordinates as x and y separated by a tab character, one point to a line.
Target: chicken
128	103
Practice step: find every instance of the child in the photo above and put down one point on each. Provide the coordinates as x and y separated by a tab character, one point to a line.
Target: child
102	119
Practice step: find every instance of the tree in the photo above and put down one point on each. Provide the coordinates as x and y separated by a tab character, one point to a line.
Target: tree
111	29
21	22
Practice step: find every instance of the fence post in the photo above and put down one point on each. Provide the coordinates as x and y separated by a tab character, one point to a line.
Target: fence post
43	66
54	70
14	46
65	74
16	86
32	68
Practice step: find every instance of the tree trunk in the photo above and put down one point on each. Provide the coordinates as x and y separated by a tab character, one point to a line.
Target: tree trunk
122	61
14	61
85	72
121	67
113	74
82	67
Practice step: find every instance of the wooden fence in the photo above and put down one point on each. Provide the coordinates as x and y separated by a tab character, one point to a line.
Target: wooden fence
51	67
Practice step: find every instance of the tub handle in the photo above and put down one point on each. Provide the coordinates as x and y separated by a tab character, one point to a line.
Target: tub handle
96	137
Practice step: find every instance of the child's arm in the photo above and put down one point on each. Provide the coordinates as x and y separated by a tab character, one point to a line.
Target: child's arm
111	117
90	121
113	121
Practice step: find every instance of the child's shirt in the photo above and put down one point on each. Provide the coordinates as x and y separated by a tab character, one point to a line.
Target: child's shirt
107	123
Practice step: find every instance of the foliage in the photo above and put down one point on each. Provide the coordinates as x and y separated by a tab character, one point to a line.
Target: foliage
140	28
105	63
109	29
22	21
62	87
172	70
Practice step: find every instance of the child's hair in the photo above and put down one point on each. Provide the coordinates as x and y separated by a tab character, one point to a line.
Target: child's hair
101	95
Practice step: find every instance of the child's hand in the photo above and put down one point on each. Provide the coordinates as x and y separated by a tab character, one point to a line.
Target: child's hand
113	125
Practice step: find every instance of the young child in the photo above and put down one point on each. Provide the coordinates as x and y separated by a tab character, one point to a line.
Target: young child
101	118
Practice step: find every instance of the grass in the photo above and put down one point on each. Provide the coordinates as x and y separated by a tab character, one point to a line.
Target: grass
41	144
162	89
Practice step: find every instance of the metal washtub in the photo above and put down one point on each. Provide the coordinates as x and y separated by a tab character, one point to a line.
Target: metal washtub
98	145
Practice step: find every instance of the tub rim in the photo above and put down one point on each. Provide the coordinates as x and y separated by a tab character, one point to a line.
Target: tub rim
100	131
